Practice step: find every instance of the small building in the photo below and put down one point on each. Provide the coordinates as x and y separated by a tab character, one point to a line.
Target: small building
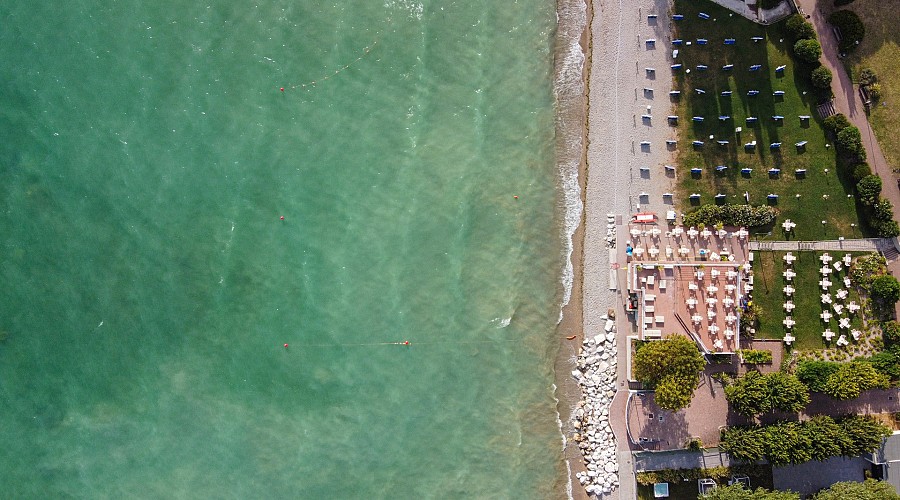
886	460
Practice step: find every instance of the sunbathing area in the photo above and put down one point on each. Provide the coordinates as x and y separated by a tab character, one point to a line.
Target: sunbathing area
689	281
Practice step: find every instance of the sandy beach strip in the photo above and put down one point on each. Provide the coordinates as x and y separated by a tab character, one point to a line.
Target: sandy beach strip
618	57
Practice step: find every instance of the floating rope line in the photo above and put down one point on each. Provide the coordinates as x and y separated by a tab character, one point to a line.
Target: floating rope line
312	83
407	343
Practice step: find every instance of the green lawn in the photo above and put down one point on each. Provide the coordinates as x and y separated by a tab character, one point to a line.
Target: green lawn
768	294
880	50
823	196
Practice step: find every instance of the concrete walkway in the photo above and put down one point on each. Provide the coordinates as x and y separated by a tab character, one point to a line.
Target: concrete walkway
760	16
856	245
681	459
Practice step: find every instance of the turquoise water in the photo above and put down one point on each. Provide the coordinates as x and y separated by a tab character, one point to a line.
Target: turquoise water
149	283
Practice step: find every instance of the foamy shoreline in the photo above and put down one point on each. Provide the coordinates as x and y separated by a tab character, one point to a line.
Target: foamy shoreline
617	55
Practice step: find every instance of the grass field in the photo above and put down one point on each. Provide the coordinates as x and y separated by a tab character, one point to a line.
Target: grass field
823	196
880	50
768	294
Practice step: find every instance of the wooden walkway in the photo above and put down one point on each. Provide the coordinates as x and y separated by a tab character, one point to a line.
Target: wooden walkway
856	245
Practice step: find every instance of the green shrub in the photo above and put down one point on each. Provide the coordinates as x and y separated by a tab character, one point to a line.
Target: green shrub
886	288
852	378
875	92
694	444
870	489
851	26
799	28
808	50
869	189
755	356
849	143
867	76
886	362
890	332
732	215
815	373
821	77
835	123
861	171
865	269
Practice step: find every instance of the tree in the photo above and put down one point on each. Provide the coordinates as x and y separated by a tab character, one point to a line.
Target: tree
890	332
821	77
864	434
674	393
849	141
738	492
787	392
673	367
786	443
744	443
852	378
754	394
827	438
808	50
861	171
882	219
835	123
886	362
749	395
886	288
870	489
851	27
869	189
799	28
814	374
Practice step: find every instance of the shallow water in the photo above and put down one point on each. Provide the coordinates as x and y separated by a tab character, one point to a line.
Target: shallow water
149	283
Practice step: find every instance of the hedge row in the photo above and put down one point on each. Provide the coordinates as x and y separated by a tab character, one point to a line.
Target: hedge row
797	442
732	215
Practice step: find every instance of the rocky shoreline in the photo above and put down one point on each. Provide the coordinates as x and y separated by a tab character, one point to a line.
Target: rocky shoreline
596	374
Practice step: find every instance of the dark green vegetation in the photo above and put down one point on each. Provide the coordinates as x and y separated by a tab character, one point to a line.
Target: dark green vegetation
755	356
851	379
672	367
798	28
823	196
755	394
796	442
821	78
869	489
738	492
732	215
808	50
851	28
768	295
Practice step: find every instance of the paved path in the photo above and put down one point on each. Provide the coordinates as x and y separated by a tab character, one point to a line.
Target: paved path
681	459
757	15
848	102
855	245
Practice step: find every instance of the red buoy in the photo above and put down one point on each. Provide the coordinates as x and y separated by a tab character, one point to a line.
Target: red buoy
285	346
282	217
282	89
